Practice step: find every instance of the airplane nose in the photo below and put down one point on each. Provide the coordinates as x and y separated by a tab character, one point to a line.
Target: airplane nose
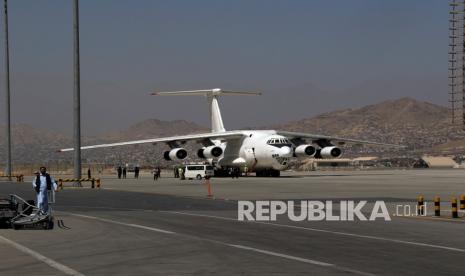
285	151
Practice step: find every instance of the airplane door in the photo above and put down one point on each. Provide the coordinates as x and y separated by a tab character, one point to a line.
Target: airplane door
250	156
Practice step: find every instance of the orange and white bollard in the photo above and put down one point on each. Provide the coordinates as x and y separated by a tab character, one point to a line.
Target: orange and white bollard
209	187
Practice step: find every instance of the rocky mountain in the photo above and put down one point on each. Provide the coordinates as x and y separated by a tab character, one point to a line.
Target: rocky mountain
154	128
35	146
30	144
419	125
144	154
422	126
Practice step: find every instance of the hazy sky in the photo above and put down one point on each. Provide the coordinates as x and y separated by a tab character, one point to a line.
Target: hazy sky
307	57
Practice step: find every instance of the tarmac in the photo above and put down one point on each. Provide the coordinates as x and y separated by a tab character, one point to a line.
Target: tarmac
171	227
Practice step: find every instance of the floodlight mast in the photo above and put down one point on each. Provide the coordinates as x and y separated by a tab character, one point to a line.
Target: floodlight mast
7	92
77	94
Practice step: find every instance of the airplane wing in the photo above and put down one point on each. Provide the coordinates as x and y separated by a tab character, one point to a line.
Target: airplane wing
323	140
228	135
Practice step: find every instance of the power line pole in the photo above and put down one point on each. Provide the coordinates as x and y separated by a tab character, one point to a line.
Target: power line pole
7	101
77	94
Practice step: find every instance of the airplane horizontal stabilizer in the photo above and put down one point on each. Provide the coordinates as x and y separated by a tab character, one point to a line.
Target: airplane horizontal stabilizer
206	92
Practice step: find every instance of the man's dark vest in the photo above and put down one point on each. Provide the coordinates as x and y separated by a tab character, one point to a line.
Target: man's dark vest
49	182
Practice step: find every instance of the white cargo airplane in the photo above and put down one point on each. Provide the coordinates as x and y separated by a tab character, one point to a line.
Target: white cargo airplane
266	152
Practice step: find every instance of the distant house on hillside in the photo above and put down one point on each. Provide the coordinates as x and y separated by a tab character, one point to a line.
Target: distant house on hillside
437	162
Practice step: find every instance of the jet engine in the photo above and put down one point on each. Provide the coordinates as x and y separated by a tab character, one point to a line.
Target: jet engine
304	151
177	153
331	152
210	152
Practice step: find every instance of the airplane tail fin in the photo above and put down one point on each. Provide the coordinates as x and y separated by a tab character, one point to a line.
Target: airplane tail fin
212	97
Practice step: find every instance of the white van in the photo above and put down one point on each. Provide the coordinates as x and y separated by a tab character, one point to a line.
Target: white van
198	171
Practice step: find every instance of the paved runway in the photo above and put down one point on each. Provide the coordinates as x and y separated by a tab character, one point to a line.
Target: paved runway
119	232
400	184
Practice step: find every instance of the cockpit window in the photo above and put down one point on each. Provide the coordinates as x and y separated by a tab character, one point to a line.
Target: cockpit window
279	142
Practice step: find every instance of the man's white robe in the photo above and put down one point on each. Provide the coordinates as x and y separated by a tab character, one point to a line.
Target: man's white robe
42	198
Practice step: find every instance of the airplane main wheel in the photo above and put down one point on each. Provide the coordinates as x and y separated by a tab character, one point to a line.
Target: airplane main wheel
268	173
275	173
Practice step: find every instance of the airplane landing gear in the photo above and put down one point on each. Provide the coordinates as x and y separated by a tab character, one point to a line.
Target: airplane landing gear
268	173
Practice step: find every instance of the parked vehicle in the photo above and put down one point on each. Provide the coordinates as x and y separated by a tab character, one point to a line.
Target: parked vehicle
196	171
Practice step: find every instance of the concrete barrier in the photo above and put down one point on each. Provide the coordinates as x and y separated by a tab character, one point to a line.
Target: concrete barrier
94	181
19	177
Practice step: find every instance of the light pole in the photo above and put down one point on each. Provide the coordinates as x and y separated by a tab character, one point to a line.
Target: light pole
77	94
7	101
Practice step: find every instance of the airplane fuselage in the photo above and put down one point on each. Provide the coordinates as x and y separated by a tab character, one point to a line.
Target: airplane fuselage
257	150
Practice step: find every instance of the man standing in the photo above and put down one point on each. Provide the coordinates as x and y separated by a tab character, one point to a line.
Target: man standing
43	183
176	172
156	173
136	172
124	172
119	171
182	172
